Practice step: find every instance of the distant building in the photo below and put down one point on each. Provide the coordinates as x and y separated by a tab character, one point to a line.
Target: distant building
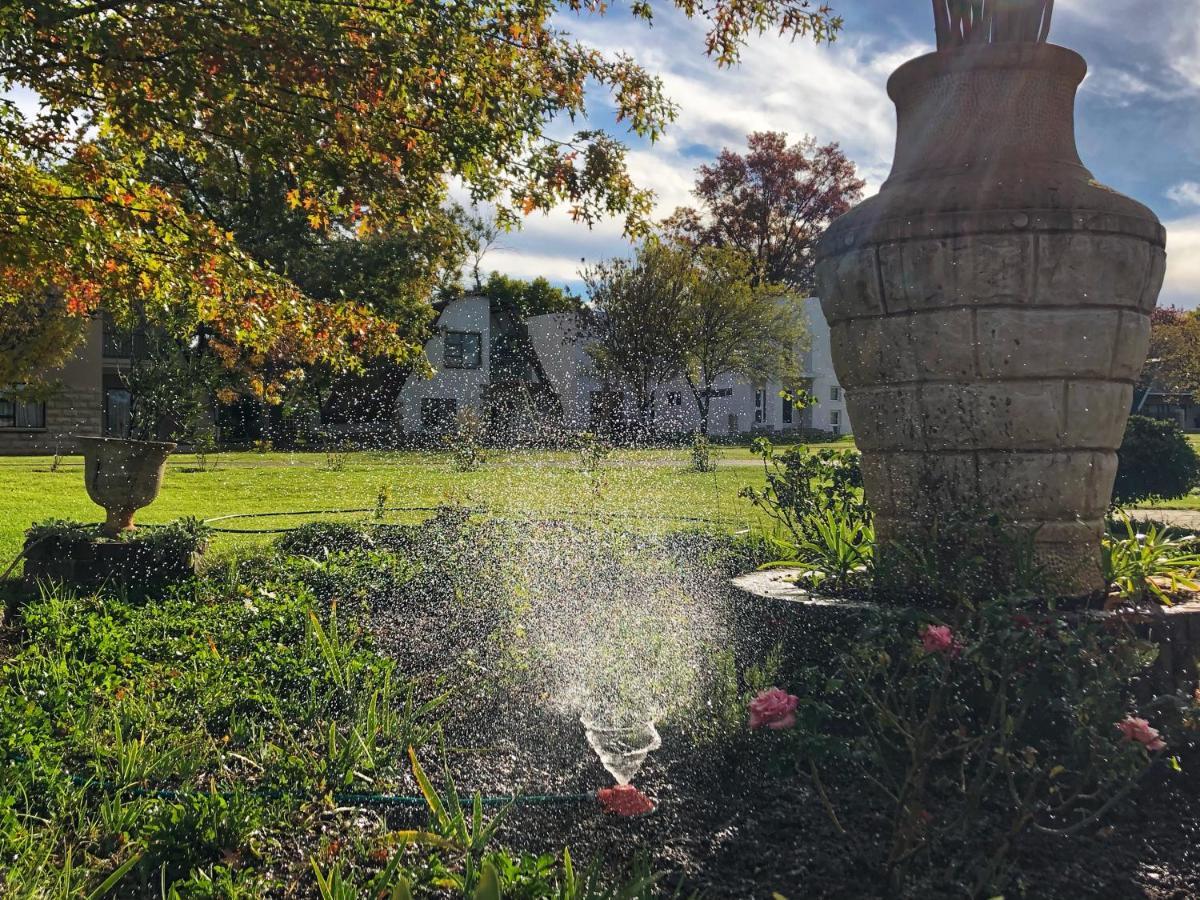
89	397
1174	407
546	380
523	378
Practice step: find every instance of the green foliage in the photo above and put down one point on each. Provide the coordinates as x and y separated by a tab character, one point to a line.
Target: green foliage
815	498
529	298
169	114
113	717
170	385
702	457
465	442
1007	726
677	311
187	535
1155	462
1150	563
964	557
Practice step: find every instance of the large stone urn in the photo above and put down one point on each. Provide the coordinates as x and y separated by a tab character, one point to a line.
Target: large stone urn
989	308
123	476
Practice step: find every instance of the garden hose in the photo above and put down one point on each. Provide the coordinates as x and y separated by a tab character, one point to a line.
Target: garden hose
353	799
432	509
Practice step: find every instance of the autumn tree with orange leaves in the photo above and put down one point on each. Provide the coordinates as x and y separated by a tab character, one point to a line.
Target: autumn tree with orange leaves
359	112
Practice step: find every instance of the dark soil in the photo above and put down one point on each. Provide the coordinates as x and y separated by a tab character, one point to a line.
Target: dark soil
728	823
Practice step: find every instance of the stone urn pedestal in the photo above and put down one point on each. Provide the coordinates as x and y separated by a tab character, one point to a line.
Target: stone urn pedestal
989	309
123	476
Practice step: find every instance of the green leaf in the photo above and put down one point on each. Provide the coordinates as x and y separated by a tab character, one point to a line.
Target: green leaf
488	887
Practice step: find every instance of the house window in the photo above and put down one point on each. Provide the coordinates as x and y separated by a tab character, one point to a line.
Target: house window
787	410
118	342
20	414
464	350
722	392
116	412
760	405
835	421
438	413
733	423
674	398
835	393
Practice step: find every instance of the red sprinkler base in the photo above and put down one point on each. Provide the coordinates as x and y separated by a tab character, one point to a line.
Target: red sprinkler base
624	800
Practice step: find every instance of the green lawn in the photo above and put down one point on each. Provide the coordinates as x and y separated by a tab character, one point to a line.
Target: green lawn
645	485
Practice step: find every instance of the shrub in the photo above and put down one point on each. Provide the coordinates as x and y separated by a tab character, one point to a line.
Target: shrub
816	499
975	730
1156	462
1150	563
702	456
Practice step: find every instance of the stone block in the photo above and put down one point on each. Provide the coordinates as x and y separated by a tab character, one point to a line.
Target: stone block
991	415
885	418
972	270
1133	341
1058	486
849	285
857	349
1096	413
925	486
1025	343
1154	280
1085	268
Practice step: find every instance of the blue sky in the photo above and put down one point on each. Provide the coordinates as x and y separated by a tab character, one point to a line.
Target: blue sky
1138	116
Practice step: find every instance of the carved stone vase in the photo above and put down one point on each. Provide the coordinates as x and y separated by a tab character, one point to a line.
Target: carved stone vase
122	476
989	308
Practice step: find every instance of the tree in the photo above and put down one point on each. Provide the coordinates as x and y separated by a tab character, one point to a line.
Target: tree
772	203
529	298
1173	363
637	313
361	111
734	327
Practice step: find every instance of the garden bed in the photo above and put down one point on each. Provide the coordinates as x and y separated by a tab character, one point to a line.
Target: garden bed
224	732
78	555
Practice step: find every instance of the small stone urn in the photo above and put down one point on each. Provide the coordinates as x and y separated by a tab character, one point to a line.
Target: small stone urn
123	476
989	308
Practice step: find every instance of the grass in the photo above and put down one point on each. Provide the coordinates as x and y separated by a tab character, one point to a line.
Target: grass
642	485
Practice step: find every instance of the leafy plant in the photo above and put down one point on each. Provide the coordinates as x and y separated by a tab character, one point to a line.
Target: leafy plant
702	456
593	450
465	442
1156	461
816	499
835	547
1150	563
996	721
204	446
962	22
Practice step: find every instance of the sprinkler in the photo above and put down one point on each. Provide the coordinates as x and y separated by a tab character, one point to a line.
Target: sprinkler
622	750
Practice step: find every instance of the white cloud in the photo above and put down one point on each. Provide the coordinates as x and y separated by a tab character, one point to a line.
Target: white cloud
834	93
1186	193
1182	284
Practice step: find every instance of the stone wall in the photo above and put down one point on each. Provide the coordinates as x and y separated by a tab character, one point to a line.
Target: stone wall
77	407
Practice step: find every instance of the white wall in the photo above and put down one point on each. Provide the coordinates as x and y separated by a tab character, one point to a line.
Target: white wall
820	369
563	353
568	367
469	313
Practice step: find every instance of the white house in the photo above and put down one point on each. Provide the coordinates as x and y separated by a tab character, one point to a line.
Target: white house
545	364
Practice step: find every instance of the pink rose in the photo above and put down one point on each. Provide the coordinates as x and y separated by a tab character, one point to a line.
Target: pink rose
1139	730
940	639
774	709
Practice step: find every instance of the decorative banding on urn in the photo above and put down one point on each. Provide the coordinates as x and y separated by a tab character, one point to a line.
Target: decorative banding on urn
989	308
